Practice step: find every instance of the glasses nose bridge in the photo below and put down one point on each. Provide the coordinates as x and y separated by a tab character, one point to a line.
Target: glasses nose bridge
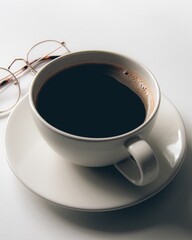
25	67
15	60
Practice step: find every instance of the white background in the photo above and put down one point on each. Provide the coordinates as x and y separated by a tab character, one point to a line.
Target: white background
158	34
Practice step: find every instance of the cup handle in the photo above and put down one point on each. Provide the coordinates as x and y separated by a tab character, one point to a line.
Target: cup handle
141	167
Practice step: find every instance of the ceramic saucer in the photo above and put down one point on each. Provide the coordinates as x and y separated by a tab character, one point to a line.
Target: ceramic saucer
41	170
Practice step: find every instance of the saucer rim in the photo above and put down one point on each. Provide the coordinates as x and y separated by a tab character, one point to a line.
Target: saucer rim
104	209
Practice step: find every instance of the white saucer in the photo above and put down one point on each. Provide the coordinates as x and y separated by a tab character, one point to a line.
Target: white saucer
89	189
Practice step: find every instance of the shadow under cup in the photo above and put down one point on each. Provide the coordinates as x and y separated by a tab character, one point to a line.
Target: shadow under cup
91	106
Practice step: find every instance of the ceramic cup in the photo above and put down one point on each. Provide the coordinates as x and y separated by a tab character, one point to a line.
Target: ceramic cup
129	152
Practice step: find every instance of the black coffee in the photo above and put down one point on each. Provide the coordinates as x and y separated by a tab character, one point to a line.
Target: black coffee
86	100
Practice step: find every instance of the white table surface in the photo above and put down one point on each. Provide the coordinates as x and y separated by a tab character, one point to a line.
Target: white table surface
158	34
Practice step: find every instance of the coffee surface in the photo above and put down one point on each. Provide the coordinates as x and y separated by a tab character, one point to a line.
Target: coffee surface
88	101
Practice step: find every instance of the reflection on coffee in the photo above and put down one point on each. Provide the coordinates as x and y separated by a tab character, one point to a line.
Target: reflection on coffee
89	100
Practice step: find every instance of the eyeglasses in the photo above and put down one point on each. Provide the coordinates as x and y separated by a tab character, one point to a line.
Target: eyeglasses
11	89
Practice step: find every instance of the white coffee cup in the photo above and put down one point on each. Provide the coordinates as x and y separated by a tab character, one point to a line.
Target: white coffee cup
128	152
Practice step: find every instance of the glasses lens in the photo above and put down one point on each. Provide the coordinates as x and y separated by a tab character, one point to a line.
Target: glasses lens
44	52
9	90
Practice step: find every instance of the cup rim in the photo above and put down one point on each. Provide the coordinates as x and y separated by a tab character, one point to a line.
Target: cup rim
90	139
